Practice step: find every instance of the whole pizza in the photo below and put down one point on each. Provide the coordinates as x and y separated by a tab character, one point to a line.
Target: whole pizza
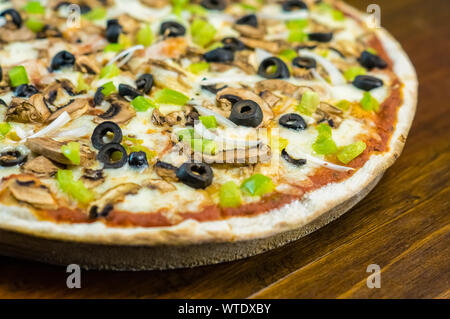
157	134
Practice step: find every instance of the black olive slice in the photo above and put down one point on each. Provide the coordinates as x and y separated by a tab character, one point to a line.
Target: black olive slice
49	31
172	29
367	82
126	90
281	70
249	19
14	15
99	96
304	62
321	36
112	111
246	113
293	121
370	61
291	5
294	161
62	59
113	30
3	103
94	213
219	55
213	88
100	132
233	44
195	175
138	159
106	153
12	158
145	83
214	4
25	90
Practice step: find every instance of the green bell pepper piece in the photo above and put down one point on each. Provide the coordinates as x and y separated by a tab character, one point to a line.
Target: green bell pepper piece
169	96
71	150
350	152
257	185
18	76
230	195
309	103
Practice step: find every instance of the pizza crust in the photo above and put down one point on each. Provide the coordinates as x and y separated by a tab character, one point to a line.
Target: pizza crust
298	218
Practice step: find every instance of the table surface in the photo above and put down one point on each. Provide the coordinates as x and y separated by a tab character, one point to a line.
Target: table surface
402	225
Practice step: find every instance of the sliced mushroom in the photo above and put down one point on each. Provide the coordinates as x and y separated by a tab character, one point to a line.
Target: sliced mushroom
159	184
119	111
40	167
271	46
250	31
16	35
327	112
302	73
92	177
242	61
102	206
227	96
87	64
52	150
270	98
283	87
23	111
166	171
237	156
30	190
166	66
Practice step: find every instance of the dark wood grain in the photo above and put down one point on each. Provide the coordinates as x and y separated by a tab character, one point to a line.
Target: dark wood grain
403	225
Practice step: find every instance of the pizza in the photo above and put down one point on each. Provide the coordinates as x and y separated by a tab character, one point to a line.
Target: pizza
159	123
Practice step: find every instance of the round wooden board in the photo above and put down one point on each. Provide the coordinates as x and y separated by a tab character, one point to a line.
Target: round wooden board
115	257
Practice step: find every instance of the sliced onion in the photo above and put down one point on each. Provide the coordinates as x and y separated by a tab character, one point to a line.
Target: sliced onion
76	132
335	76
323	163
295	15
59	122
202	131
125	55
207	112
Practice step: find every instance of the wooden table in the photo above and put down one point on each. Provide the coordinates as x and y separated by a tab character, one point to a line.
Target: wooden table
403	225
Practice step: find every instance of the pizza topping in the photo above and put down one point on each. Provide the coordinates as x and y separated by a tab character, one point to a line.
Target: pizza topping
293	121
214	4
370	60
40	167
219	55
23	111
103	206
112	155
159	184
113	30
144	83
71	150
273	68
291	5
367	82
119	111
309	103
13	16
172	29
52	149
233	44
29	190
62	59
230	195
166	171
25	90
349	152
329	113
92	177
13	157
288	158
87	64
320	36
18	76
138	159
74	188
258	185
246	113
195	175
304	62
102	131
126	90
